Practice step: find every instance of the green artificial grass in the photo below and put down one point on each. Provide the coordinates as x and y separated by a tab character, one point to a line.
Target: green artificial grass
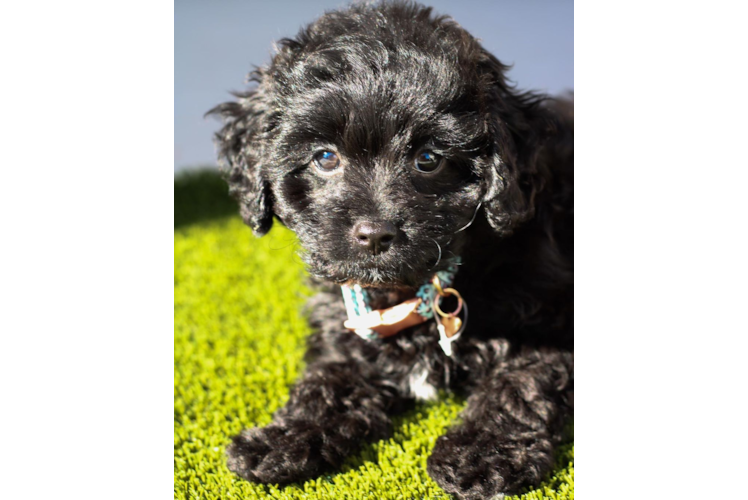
238	345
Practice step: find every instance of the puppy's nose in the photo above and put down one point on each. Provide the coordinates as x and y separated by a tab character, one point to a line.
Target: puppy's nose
375	237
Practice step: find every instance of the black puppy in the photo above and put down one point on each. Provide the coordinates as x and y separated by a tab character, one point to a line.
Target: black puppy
389	141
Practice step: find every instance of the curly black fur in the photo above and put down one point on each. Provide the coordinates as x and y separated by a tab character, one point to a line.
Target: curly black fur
376	83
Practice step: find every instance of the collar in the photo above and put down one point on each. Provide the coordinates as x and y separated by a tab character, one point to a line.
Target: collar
381	323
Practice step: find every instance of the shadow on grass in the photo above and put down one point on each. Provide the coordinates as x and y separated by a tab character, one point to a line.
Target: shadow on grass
201	195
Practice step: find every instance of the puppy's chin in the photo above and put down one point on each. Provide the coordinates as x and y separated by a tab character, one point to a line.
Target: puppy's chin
366	278
367	275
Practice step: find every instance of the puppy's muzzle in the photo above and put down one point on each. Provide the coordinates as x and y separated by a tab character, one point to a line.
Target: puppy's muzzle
374	237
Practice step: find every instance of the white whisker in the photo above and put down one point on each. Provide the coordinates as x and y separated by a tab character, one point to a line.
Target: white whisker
440	253
475	214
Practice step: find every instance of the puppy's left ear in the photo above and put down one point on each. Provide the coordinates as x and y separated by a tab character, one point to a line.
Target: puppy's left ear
240	145
517	124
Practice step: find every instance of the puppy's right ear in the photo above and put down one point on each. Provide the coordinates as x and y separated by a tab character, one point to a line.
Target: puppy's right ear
240	155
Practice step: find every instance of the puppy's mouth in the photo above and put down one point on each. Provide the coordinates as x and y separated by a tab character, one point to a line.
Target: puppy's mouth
375	273
366	277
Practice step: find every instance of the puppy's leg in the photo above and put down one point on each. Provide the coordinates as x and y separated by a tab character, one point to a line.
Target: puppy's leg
512	422
330	412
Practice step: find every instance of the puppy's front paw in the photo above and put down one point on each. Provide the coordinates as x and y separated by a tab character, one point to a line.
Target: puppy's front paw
276	455
473	464
463	465
246	452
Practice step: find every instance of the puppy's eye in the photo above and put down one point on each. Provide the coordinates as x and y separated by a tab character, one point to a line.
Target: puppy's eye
428	161
326	162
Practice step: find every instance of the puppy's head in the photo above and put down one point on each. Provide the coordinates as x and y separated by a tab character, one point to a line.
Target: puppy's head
377	135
